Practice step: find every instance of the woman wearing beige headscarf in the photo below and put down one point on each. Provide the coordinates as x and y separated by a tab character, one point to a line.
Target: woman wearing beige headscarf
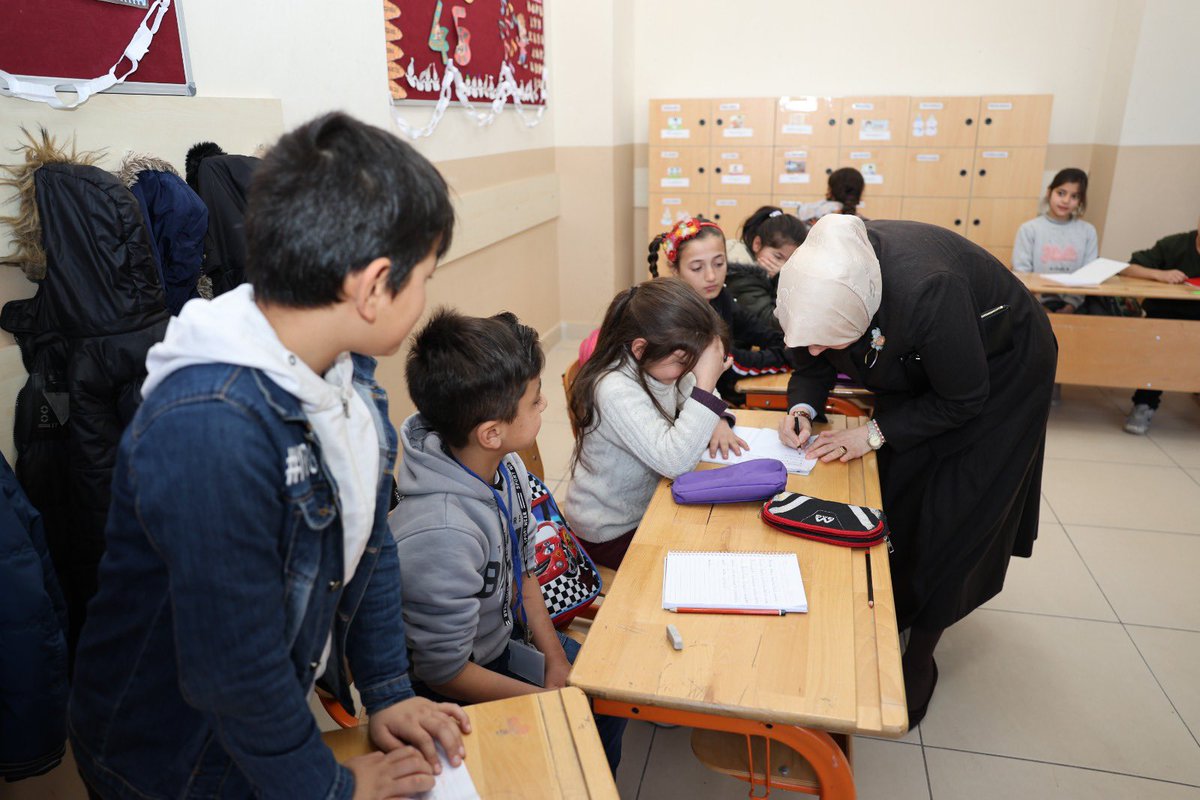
961	361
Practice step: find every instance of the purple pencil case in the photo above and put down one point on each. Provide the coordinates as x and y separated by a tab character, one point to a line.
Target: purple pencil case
738	483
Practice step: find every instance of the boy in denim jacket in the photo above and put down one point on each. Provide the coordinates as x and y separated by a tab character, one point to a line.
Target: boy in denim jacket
476	621
248	552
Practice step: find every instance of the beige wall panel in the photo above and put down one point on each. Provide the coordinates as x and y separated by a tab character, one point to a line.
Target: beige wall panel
882	168
943	121
742	122
994	222
1155	192
679	122
950	213
803	171
1008	172
808	121
730	210
938	172
678	169
874	122
740	170
1015	120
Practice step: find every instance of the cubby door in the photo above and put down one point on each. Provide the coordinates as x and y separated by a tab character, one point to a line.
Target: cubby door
938	172
680	123
882	168
730	210
745	122
994	222
874	122
876	207
678	169
948	212
1015	120
943	121
665	209
803	170
808	121
740	170
1008	172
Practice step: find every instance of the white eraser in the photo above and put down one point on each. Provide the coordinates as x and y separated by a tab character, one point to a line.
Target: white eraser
674	637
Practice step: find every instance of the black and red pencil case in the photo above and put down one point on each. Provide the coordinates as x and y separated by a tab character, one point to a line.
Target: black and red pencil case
826	520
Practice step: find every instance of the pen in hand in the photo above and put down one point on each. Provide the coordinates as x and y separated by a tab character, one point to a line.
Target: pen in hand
796	427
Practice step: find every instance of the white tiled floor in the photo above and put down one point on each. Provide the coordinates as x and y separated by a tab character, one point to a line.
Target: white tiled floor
1080	681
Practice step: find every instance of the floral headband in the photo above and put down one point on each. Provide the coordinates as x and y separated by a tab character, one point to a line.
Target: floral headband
684	231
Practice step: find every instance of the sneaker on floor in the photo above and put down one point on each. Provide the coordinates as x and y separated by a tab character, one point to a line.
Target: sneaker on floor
1056	395
1138	421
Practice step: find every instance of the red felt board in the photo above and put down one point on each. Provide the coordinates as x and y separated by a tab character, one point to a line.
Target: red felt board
477	35
81	39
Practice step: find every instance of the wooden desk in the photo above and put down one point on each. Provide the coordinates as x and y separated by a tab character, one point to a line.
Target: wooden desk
538	747
1124	352
769	392
836	668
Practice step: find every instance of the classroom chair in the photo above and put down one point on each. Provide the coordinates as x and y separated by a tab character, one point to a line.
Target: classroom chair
760	763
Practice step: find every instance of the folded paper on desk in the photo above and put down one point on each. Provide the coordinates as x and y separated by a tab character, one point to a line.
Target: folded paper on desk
454	783
764	443
1093	274
733	581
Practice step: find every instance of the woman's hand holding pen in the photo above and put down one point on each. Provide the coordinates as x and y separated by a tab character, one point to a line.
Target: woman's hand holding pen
795	429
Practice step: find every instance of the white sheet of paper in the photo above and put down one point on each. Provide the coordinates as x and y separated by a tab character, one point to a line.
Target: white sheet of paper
1093	274
453	784
749	581
764	443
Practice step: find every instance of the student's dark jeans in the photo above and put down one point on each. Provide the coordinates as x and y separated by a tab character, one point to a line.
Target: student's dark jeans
611	729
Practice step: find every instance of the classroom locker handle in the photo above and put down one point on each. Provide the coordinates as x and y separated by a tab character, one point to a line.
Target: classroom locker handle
703	121
982	172
717	170
829	170
701	170
987	121
849	120
832	121
962	172
720	121
958	221
975	222
970	121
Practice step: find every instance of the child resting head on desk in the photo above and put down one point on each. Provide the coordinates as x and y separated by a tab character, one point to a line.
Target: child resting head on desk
248	552
476	621
644	407
1172	259
694	249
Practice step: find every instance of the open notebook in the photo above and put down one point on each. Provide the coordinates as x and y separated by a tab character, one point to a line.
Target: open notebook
733	581
764	443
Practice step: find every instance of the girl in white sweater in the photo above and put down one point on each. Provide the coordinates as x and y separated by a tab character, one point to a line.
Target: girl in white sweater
644	407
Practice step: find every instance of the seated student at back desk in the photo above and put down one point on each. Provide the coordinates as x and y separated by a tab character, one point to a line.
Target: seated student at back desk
476	621
1172	259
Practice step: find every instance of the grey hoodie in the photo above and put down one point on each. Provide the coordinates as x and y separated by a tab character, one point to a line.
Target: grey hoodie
456	569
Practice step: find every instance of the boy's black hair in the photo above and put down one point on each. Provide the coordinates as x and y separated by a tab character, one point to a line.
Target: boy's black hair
462	370
331	197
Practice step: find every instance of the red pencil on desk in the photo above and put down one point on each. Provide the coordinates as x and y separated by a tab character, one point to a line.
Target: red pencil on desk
749	612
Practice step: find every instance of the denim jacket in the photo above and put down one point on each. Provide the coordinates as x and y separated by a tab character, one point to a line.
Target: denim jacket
220	585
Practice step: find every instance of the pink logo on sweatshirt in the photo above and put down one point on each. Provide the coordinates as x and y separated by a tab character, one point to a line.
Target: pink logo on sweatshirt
1052	253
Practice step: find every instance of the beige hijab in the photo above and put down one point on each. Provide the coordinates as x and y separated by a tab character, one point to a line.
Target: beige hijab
830	288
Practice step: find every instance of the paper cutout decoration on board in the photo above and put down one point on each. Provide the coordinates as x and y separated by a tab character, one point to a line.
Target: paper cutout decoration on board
462	51
437	34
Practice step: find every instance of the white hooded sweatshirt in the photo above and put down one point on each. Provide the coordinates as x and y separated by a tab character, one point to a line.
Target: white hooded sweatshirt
232	330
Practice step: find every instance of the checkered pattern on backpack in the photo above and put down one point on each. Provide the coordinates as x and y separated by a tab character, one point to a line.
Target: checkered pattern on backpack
576	588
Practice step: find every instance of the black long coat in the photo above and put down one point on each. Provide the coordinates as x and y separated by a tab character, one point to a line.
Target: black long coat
963	404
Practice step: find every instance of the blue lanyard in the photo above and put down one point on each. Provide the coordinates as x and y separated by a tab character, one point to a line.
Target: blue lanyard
518	562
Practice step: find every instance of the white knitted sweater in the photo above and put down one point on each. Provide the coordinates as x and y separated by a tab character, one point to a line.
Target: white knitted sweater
631	447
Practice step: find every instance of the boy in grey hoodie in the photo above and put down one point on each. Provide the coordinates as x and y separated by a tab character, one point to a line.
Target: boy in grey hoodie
474	616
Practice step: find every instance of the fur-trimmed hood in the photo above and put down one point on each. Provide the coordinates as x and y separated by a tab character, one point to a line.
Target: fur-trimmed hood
135	164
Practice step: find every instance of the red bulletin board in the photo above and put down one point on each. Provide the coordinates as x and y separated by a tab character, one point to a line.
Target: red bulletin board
81	39
476	35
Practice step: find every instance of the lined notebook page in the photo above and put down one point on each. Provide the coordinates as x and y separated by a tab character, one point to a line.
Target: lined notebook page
764	443
750	581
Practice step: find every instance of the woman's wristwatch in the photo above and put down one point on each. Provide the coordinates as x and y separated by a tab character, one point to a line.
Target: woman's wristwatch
875	437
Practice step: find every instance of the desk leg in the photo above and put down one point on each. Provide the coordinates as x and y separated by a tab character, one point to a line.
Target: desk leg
818	748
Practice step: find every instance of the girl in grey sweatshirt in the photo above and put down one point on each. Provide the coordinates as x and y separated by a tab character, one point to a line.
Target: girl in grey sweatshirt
644	408
1058	241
